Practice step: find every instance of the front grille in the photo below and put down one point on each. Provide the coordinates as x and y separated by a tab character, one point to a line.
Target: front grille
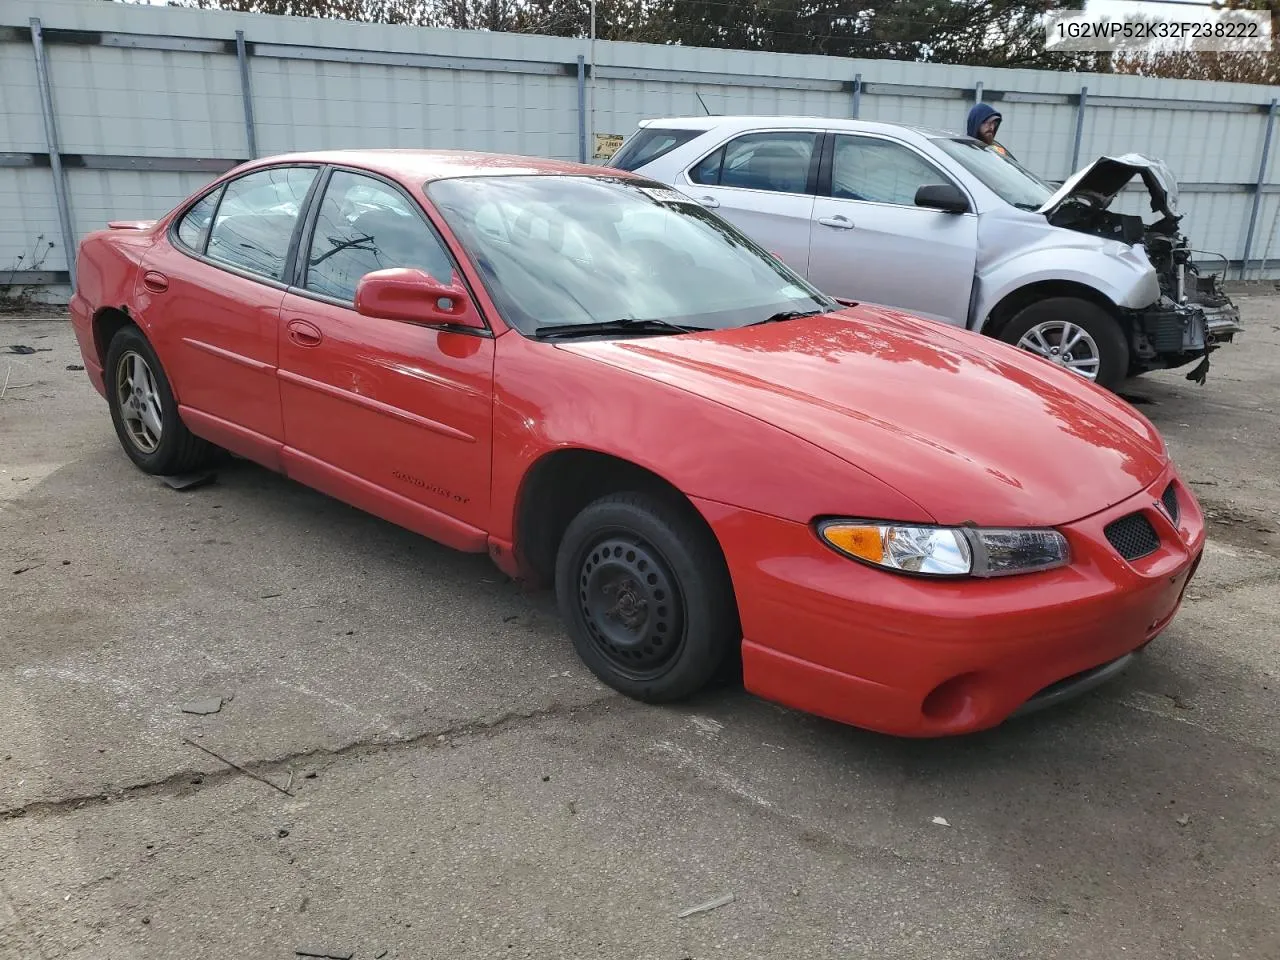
1170	500
1133	536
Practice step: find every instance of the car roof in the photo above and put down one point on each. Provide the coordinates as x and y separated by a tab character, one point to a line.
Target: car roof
748	121
422	166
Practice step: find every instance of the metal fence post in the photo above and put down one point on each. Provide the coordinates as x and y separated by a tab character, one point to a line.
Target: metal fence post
582	109
1257	189
1075	145
857	95
55	154
250	133
977	93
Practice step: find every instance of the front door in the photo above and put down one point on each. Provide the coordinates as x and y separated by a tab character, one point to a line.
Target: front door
396	411
762	184
215	295
871	243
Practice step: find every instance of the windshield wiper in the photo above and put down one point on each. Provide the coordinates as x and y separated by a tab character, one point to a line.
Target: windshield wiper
787	315
621	325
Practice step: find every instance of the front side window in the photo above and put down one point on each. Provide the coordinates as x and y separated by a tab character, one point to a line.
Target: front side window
1006	178
879	171
365	225
256	219
778	162
194	226
558	250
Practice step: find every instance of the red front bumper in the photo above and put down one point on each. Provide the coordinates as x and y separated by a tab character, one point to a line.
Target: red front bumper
917	657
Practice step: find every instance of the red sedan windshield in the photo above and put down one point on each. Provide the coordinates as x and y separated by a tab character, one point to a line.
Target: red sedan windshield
557	250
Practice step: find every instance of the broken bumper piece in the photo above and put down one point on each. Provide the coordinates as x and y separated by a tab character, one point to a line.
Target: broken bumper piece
1170	334
1188	329
1222	323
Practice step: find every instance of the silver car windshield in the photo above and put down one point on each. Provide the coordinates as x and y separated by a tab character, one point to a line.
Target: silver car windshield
1009	180
556	250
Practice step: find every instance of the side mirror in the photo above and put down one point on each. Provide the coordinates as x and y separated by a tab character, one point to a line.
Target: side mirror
413	296
942	196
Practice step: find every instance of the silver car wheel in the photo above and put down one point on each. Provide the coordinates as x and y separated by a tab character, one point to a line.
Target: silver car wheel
1065	344
139	401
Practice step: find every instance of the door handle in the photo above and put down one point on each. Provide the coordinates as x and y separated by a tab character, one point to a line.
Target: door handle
839	222
304	334
711	202
155	282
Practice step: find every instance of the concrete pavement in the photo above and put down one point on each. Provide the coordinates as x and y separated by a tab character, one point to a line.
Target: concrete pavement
444	779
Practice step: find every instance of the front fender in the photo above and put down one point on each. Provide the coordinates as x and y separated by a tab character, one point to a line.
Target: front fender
1122	274
548	400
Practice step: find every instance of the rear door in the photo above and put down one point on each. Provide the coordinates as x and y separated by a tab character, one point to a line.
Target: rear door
763	183
871	243
215	291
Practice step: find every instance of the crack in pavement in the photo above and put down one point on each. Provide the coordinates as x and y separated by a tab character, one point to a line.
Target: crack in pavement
190	780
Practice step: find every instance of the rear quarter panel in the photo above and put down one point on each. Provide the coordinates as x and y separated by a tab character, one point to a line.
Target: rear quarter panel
107	265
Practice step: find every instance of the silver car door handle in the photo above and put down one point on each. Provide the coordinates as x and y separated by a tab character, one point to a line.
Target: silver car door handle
711	202
840	223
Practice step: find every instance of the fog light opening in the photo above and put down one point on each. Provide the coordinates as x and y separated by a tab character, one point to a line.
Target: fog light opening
954	700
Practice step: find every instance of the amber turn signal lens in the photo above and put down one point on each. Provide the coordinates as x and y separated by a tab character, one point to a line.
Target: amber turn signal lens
865	543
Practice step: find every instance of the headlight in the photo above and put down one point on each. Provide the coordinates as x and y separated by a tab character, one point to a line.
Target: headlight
947	551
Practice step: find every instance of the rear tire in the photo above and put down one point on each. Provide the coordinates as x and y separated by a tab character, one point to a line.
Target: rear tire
145	412
1096	344
647	598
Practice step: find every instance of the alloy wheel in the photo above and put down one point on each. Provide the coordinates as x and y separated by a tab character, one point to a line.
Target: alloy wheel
1066	344
139	400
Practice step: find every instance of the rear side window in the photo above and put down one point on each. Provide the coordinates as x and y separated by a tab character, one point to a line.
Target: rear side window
648	145
194	227
256	219
778	162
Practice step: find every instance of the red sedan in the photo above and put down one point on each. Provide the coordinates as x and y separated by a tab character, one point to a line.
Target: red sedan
888	522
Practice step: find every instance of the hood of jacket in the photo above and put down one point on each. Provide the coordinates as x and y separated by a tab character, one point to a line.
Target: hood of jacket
978	116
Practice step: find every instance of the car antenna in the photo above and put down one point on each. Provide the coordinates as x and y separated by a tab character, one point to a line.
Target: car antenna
703	102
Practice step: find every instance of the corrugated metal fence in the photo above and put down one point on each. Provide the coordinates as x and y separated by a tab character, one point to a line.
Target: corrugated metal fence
114	111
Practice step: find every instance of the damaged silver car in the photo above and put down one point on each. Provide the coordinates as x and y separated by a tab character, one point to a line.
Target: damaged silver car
945	227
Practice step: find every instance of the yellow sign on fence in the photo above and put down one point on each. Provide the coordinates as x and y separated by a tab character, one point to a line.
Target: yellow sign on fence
607	145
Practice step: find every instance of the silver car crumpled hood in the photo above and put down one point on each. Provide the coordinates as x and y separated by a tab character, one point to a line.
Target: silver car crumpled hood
1107	176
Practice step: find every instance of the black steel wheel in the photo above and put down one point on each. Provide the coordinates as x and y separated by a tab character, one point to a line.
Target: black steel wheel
630	605
645	592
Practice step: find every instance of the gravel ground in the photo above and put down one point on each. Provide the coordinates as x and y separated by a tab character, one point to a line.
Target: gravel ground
424	767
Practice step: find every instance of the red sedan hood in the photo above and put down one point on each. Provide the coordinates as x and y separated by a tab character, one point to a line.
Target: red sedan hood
971	430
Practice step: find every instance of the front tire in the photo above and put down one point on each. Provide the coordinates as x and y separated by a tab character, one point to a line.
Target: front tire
145	412
1076	334
647	598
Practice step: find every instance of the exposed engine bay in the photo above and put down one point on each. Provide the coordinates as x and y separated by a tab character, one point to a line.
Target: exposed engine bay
1193	316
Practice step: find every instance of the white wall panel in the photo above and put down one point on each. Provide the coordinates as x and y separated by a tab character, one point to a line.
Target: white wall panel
117	100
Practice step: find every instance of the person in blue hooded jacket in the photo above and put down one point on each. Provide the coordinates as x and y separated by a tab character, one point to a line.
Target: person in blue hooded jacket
984	121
